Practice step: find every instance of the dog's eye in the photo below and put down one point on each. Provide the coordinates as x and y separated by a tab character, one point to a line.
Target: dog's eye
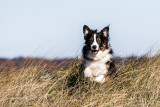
90	40
99	40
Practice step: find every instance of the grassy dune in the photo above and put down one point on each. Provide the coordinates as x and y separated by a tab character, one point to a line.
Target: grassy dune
42	84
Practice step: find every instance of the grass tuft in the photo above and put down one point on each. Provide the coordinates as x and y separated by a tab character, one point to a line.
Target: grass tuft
61	84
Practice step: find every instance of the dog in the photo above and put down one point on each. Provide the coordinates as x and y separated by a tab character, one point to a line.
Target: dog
97	55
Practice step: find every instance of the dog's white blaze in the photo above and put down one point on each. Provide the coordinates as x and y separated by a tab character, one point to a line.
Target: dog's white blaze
95	42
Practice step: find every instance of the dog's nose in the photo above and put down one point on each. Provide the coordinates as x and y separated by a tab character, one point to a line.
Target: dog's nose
94	46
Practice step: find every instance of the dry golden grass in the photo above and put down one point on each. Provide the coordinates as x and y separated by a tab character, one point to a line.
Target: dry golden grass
137	84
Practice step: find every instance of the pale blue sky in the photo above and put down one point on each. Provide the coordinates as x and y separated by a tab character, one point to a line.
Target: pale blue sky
53	28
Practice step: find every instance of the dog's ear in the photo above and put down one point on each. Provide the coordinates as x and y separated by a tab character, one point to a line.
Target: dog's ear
86	30
105	31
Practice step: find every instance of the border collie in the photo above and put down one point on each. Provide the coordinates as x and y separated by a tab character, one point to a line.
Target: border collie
97	55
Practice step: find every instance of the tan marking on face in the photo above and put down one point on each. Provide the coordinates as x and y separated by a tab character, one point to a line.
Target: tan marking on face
98	40
103	47
91	40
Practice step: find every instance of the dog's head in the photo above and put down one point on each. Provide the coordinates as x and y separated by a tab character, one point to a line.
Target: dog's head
96	41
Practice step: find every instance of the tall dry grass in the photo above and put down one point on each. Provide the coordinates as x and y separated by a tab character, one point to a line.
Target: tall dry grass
137	84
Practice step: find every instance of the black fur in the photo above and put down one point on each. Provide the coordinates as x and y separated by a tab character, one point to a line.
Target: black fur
102	39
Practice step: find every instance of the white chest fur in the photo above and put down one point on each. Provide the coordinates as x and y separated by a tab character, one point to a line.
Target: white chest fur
96	69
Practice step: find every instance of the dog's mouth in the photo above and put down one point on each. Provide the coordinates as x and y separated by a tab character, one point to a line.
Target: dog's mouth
94	52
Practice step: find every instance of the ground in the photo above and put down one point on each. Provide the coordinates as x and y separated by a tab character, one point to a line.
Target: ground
59	83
